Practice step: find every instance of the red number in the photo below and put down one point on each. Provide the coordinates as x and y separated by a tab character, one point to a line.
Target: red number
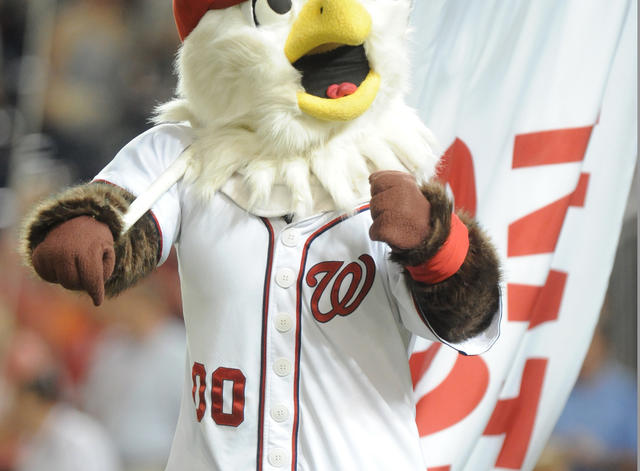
198	371
232	375
236	417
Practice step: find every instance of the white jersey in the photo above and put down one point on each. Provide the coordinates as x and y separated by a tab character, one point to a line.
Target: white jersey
297	334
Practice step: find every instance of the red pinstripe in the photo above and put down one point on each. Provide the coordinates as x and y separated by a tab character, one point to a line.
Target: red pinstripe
296	397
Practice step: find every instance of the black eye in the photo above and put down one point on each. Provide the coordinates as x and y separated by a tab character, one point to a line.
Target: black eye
280	6
270	11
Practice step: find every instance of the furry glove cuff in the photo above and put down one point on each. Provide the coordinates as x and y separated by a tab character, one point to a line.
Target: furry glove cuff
416	223
79	254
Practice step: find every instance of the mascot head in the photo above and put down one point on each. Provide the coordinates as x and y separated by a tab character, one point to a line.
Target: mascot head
299	93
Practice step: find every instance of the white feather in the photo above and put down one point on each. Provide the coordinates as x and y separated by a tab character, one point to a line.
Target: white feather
239	92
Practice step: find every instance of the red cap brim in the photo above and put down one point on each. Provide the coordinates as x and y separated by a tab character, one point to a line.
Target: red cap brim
188	13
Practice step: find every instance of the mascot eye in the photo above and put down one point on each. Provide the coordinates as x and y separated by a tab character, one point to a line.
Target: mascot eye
267	12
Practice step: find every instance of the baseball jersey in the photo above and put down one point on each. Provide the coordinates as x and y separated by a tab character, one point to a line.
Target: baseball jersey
298	334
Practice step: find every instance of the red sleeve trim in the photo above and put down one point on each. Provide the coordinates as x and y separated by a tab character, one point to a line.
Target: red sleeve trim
449	258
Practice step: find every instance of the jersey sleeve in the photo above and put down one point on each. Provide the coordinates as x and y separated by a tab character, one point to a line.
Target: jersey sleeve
140	163
416	322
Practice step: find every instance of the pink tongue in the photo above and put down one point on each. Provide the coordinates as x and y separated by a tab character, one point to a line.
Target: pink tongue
344	89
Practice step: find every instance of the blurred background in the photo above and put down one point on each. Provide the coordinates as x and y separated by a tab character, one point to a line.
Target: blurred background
86	388
81	388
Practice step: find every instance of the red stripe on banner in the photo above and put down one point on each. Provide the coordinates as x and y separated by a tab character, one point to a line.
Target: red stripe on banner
551	147
579	196
515	417
420	362
461	391
537	304
440	468
456	169
539	231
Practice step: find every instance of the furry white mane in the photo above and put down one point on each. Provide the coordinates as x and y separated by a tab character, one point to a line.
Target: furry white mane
239	93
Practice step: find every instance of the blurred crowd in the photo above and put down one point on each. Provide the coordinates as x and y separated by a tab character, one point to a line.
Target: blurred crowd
99	389
81	388
597	430
85	73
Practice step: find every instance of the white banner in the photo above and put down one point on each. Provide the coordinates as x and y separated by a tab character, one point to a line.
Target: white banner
536	102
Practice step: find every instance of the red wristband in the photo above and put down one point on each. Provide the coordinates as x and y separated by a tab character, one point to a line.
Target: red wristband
448	260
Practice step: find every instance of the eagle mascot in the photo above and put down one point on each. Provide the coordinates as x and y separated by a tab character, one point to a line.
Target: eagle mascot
313	243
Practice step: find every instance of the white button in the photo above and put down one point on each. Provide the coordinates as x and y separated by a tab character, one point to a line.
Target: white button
280	413
278	457
290	237
282	367
285	277
283	322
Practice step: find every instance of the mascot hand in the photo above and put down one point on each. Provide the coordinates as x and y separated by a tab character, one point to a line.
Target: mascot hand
399	210
79	255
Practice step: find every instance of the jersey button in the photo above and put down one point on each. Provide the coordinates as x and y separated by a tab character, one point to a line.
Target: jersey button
290	237
285	277
283	323
282	367
280	413
278	457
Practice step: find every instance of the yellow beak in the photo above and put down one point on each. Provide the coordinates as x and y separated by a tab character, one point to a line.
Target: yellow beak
321	25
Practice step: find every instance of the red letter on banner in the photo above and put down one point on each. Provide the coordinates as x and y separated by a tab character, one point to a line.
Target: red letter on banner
453	399
456	169
537	304
515	417
539	231
467	383
420	362
551	147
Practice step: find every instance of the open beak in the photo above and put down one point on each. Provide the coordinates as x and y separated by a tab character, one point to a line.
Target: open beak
326	44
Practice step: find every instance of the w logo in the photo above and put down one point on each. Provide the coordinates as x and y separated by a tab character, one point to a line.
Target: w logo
346	289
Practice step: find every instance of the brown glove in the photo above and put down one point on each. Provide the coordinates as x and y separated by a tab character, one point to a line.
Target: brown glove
79	255
399	210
